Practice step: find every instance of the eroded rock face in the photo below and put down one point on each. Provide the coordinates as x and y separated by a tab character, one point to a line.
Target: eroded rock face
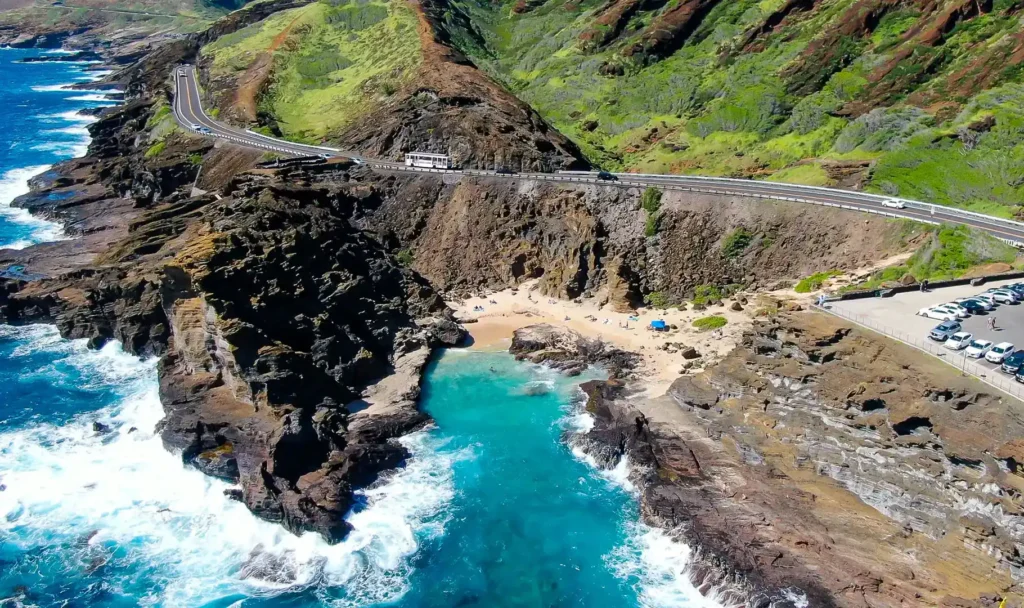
815	456
269	310
568	351
581	240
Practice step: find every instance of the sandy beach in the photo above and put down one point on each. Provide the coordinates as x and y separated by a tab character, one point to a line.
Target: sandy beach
505	311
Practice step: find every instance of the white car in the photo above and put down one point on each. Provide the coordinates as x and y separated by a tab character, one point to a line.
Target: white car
978	348
986	297
999	352
940	314
960	313
987	305
194	126
958	341
893	203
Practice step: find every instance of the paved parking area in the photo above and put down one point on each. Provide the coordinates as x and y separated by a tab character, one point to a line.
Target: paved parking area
898	315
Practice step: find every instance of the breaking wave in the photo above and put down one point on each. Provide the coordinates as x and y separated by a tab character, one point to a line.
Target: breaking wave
114	505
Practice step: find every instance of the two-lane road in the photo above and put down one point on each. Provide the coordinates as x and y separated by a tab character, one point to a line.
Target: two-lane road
189	112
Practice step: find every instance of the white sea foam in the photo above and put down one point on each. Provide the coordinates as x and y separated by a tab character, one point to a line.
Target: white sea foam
93	98
661	564
49	88
124	489
74	116
13	184
71	149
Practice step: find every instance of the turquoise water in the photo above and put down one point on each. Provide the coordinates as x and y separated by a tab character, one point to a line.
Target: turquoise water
493	508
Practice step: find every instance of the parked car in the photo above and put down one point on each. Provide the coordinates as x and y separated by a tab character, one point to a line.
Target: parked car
978	348
973	306
1004	296
893	203
958	341
608	177
1014	362
1017	288
944	330
960	313
937	313
985	304
987	297
1019	376
999	352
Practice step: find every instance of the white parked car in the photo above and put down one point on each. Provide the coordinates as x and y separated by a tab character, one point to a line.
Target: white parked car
940	314
958	341
953	308
978	348
986	297
999	352
893	203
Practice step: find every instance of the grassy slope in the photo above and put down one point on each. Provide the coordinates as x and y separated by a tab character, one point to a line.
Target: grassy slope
332	61
721	110
117	17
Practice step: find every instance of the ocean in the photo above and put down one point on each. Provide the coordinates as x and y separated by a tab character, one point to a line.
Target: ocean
493	508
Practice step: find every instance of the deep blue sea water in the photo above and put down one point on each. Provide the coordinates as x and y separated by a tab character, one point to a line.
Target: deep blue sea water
493	509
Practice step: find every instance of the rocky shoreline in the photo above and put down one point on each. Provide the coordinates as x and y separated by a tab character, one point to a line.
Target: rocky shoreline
291	344
754	463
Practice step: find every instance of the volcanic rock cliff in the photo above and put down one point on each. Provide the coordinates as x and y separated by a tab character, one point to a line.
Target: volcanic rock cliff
824	459
290	342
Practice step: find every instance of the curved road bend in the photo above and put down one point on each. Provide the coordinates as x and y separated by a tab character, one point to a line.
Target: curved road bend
188	111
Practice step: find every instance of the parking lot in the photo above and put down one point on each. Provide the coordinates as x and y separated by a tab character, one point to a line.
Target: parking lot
898	317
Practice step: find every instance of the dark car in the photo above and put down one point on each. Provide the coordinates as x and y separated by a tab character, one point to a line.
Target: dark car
1013	363
608	177
1016	288
1019	376
504	171
972	307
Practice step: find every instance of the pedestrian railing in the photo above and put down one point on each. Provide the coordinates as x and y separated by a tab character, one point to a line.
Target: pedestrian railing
958	359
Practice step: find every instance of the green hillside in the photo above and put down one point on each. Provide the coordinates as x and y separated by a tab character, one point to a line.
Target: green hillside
922	101
315	69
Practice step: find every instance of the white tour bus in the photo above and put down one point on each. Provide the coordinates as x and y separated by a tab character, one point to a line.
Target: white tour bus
428	160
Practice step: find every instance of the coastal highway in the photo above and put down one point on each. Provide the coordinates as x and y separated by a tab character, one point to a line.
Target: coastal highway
189	113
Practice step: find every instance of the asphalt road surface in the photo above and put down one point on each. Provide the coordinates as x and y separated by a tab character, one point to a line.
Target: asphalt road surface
189	112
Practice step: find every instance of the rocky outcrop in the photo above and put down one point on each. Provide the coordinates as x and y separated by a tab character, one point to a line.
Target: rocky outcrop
826	460
566	350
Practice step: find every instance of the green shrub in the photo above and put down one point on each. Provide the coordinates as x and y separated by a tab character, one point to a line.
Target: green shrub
709	323
651	225
706	294
404	257
736	242
155	149
657	299
953	250
195	159
650	200
815	281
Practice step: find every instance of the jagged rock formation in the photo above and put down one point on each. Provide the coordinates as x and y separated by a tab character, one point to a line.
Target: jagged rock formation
269	310
856	469
567	351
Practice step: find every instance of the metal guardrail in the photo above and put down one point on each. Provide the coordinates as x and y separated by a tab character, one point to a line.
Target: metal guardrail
956	359
877	198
